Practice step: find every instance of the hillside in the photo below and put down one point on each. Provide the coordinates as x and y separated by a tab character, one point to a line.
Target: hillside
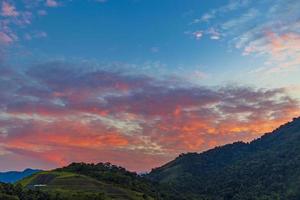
89	181
13	176
266	168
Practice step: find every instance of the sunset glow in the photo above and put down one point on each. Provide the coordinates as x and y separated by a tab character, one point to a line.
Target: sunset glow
136	82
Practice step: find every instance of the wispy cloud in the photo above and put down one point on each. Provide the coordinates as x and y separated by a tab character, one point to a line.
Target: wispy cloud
233	5
8	10
52	3
17	16
13	20
6	39
283	50
264	28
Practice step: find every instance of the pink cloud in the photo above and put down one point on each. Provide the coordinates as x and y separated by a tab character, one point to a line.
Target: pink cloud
9	10
52	3
279	47
5	38
14	23
198	35
282	50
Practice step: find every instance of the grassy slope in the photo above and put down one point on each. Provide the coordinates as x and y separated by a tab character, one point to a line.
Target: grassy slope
67	184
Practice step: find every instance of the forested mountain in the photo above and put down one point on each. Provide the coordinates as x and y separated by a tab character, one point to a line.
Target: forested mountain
267	168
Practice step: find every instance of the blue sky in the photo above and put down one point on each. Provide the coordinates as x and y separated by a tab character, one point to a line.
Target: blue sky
206	38
146	72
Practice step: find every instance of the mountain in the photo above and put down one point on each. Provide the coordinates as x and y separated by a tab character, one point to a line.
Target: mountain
91	181
267	168
14	176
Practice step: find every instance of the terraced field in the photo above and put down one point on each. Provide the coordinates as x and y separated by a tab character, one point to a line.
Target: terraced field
68	185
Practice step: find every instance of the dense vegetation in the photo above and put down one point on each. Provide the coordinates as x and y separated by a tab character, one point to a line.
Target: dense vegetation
265	169
17	192
114	175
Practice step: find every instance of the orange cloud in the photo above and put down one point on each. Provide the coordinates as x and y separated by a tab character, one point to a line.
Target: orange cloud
135	122
282	49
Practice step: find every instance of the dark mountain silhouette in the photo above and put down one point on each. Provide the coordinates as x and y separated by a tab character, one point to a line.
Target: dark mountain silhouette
14	176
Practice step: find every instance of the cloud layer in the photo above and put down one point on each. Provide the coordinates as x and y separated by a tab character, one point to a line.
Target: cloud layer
56	113
268	29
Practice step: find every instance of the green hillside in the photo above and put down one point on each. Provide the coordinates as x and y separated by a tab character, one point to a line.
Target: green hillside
89	181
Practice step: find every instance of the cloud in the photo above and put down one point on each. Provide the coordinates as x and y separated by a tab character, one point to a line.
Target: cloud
17	16
198	34
233	5
14	22
214	34
5	39
52	3
283	50
8	10
267	29
56	113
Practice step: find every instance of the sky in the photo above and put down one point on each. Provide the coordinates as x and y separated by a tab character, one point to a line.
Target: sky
138	82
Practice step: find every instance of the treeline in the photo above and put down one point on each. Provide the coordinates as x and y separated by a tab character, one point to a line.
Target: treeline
17	192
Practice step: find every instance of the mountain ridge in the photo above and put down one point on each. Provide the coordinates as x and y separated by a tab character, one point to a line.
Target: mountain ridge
272	159
14	176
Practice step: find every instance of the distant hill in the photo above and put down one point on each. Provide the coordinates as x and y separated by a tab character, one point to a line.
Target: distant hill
14	176
265	169
92	181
